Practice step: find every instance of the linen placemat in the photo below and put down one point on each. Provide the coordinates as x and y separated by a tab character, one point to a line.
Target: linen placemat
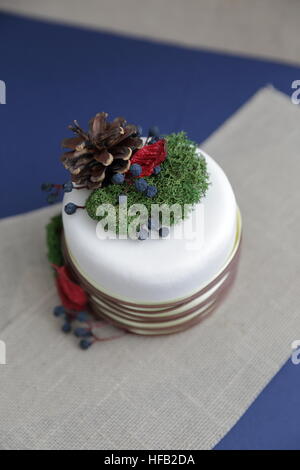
176	392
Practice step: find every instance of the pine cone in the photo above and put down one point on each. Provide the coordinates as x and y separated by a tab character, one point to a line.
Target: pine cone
105	149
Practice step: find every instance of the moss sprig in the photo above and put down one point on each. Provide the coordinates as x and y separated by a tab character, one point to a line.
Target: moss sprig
53	232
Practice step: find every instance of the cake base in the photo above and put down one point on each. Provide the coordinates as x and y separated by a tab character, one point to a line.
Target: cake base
165	317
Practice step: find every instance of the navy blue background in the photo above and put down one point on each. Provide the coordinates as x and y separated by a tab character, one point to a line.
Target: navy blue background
272	421
56	73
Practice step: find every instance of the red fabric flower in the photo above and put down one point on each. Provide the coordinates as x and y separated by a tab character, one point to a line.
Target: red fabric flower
71	294
150	156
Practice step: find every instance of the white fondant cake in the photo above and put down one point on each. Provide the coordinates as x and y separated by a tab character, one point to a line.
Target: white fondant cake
155	271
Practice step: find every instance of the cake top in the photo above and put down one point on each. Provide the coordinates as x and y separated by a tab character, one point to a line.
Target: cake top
158	178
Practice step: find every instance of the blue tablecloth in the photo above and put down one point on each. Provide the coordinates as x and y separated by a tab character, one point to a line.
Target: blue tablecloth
55	74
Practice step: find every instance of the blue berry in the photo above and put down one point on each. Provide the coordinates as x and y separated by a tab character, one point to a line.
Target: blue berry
85	344
151	191
82	332
153	131
153	224
66	328
82	317
68	186
157	170
141	185
163	232
59	311
70	208
143	234
118	178
135	169
46	186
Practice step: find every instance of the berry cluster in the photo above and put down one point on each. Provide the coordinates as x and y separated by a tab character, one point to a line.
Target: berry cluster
84	326
142	186
85	333
54	190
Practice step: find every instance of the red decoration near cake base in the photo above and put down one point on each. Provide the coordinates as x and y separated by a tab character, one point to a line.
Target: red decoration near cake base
72	296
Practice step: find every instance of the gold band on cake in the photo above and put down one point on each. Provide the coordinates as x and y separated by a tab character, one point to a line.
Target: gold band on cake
159	318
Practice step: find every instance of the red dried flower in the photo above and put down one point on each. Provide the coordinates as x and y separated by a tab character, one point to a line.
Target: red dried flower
71	294
150	156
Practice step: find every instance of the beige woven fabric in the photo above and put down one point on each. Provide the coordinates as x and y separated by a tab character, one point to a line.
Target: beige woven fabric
261	28
182	391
